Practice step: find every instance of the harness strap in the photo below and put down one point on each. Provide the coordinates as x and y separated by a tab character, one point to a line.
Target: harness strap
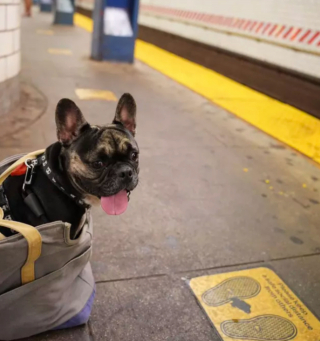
28	168
42	160
4	203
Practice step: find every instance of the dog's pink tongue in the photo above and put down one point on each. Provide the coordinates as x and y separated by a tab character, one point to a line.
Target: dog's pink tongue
116	204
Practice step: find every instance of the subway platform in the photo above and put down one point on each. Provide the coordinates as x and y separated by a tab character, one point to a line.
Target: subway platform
217	195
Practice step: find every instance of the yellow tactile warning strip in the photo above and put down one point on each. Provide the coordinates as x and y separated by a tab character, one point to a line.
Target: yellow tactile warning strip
254	304
46	32
89	94
284	122
60	51
83	22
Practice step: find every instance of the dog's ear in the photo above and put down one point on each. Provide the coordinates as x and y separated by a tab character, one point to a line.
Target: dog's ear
126	113
69	121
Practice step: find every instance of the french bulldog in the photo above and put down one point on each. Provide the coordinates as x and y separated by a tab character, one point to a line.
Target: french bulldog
88	165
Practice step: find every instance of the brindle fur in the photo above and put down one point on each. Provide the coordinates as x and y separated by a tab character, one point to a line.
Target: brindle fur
85	146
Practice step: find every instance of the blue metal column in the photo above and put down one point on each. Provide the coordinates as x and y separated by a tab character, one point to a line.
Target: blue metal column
97	35
45	5
63	12
115	30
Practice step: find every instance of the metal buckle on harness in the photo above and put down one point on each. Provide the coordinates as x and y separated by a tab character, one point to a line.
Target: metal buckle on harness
29	173
30	199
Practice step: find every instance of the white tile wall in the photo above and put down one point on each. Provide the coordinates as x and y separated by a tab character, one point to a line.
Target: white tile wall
297	13
2	18
6	43
9	38
301	62
291	12
13	65
13	17
16	40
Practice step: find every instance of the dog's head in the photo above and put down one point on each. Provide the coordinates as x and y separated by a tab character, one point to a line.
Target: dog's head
101	161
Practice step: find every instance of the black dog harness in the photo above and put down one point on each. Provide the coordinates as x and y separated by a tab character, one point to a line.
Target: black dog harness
30	199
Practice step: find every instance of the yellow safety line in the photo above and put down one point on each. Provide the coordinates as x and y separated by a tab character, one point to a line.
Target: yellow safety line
83	22
282	121
65	52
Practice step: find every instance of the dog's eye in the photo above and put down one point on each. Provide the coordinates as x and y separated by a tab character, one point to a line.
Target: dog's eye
97	164
134	156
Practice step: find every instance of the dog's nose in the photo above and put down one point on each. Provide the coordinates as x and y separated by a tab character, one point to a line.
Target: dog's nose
125	173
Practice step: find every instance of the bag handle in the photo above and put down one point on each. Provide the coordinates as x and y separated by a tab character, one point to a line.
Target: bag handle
34	241
30	233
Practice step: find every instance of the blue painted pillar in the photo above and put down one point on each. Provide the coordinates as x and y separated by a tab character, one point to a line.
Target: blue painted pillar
63	12
115	30
45	5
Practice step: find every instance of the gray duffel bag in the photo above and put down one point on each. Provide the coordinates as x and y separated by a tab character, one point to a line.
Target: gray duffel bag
46	281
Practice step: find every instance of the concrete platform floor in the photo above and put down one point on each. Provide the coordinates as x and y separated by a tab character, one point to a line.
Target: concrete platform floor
215	195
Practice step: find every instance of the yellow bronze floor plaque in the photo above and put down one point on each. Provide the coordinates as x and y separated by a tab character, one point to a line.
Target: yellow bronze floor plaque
91	94
255	304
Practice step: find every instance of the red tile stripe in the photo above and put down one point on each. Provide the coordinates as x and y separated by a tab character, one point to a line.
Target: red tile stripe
247	24
280	31
272	30
314	37
304	36
259	27
266	28
254	27
288	32
296	34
